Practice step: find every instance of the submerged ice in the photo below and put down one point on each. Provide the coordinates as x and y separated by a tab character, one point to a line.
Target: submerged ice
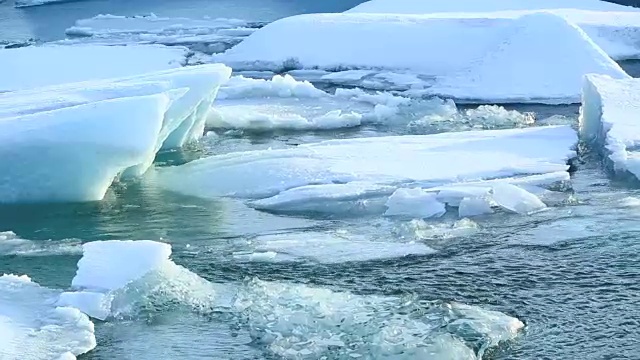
297	321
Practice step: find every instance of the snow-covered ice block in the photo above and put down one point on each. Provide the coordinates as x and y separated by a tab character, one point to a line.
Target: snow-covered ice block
35	66
109	265
75	153
426	160
415	203
116	278
504	60
609	120
32	327
205	35
426	7
326	248
615	28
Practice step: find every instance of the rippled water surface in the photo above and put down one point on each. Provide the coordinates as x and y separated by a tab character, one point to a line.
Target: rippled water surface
570	273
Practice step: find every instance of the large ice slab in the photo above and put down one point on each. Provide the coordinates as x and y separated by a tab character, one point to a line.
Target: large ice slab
418	161
74	153
205	35
114	127
615	28
32	327
423	7
35	66
504	59
27	3
609	120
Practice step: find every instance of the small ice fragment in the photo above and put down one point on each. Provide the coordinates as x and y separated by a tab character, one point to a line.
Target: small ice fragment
516	199
474	206
414	203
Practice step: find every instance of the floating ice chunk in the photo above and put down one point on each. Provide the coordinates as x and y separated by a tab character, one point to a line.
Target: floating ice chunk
516	199
415	203
430	160
517	49
11	244
494	326
206	35
36	66
117	278
453	195
74	153
327	198
608	119
109	265
327	248
474	207
31	327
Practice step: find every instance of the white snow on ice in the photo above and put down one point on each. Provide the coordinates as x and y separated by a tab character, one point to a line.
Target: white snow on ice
35	66
205	35
32	327
609	120
421	6
504	60
615	28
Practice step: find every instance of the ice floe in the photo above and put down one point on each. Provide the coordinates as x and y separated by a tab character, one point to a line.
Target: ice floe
35	66
360	174
204	35
419	6
32	327
613	27
505	60
325	248
95	132
608	120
